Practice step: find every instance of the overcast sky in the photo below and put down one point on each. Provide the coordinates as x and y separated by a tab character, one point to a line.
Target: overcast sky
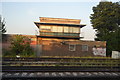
20	15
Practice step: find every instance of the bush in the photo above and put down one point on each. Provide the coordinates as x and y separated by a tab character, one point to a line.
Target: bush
20	45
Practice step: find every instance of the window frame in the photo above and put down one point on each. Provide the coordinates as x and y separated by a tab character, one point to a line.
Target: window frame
74	48
85	49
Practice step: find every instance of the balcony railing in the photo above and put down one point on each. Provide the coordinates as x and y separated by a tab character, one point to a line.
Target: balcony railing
59	34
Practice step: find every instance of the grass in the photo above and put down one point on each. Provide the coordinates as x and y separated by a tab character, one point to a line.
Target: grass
83	61
56	56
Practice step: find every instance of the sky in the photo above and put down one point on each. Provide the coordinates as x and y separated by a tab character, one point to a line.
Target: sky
21	15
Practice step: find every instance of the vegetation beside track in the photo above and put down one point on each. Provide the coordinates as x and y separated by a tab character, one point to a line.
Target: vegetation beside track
61	61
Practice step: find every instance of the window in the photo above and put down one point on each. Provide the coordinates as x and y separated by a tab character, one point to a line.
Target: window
54	29
57	29
84	47
71	29
72	47
76	30
66	29
60	29
45	28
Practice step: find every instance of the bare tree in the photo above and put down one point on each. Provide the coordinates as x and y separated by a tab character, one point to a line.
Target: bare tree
2	25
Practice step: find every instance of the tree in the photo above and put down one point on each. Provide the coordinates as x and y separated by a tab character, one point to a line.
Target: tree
106	20
20	45
2	25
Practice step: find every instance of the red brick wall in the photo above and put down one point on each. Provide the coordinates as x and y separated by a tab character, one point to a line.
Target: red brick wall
56	48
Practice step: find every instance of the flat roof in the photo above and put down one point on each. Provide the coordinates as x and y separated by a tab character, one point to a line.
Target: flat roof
59	20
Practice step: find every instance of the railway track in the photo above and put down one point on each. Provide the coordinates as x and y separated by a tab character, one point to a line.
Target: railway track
59	69
64	68
61	75
54	59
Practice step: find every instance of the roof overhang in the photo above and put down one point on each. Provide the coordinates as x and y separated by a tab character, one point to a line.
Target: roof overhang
60	37
70	25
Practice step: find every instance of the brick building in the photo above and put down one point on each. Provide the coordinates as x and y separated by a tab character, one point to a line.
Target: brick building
61	37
